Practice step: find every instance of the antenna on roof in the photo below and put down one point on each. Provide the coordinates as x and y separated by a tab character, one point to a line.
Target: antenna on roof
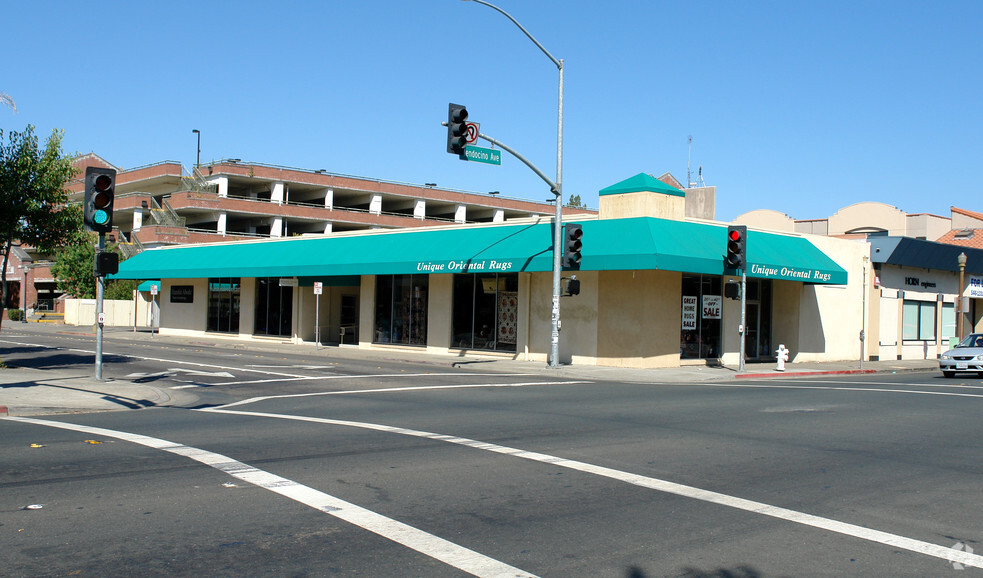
699	179
689	157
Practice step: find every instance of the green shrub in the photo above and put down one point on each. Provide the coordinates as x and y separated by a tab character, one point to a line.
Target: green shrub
15	314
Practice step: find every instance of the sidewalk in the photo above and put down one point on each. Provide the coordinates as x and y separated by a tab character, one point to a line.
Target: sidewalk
74	389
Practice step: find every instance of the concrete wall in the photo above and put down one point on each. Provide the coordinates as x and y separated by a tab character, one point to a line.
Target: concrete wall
82	313
701	203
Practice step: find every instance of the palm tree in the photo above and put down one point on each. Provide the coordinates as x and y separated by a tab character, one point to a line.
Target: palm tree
8	100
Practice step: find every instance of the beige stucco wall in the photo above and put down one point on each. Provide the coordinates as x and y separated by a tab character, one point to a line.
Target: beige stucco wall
767	219
927	226
868	215
642	204
831	316
184	318
963	221
439	312
639	318
366	311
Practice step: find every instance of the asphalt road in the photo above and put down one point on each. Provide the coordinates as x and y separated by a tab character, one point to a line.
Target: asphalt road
288	465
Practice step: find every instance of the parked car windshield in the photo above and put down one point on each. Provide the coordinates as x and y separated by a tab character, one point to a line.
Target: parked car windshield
972	340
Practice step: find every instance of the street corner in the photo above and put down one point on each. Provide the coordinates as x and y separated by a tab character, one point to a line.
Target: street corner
32	392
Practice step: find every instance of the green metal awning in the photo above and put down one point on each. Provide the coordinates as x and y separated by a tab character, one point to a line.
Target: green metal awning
615	244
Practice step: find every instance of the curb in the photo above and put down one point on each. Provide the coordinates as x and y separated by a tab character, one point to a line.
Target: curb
803	373
814	373
3	411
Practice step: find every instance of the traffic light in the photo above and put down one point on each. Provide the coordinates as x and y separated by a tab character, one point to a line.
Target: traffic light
106	263
736	247
732	290
457	128
572	243
100	188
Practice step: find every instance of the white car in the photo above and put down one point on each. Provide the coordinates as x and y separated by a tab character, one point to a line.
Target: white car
966	357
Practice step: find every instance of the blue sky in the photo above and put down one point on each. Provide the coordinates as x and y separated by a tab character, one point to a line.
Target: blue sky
802	107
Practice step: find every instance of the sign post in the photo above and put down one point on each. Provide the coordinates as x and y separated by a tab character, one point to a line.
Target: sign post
318	287
153	305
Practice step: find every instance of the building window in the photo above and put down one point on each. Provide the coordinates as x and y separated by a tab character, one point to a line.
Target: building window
223	305
274	308
948	320
701	313
918	320
485	311
401	309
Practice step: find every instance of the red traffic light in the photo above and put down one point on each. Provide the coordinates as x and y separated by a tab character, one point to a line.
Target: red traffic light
102	183
734	235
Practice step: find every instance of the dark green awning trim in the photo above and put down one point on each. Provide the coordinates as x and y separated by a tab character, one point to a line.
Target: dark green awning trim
615	244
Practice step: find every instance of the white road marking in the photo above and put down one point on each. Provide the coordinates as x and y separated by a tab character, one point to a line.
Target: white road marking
174	370
893	540
157	359
831	388
400	389
438	548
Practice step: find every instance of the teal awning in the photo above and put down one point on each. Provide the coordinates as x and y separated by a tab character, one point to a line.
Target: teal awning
641	183
145	286
613	244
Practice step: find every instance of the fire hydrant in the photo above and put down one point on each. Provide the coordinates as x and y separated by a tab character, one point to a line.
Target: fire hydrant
782	357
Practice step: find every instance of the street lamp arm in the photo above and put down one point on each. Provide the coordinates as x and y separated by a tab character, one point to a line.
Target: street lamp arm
554	188
558	63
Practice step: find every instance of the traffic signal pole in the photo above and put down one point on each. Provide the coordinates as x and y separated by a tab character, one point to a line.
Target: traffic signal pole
100	287
743	316
557	188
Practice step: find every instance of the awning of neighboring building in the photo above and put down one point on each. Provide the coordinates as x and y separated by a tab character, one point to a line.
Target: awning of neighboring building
145	286
615	244
922	254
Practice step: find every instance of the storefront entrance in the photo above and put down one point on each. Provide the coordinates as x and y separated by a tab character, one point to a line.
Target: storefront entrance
757	337
702	311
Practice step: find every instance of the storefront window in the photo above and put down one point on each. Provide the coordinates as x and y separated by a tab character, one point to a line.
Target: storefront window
948	320
918	320
223	305
701	313
401	309
274	308
485	311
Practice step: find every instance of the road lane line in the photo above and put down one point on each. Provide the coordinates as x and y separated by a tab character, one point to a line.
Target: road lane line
438	548
831	388
893	540
400	389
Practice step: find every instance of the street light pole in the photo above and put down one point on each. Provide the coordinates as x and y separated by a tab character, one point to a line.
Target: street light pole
557	190
961	259
198	158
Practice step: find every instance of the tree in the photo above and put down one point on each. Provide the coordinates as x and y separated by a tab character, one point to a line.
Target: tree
33	197
575	202
73	268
